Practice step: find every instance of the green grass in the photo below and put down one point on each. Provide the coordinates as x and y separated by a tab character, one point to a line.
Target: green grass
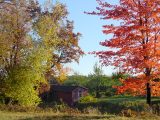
117	99
116	104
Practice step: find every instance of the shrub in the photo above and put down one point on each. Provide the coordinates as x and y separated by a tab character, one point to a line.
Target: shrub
2	99
17	108
135	105
87	99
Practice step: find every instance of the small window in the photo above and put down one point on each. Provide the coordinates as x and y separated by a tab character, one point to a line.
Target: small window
80	93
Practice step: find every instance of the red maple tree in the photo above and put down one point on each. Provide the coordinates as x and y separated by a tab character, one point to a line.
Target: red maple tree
135	45
137	86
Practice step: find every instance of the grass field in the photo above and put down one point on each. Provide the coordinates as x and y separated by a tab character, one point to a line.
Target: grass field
111	108
116	104
117	99
54	116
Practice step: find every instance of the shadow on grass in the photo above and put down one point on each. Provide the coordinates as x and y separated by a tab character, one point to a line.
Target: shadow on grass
117	105
67	118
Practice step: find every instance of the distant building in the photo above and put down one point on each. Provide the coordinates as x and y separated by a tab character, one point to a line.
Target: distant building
68	94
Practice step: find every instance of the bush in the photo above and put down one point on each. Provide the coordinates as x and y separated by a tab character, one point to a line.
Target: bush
88	99
2	99
135	105
18	108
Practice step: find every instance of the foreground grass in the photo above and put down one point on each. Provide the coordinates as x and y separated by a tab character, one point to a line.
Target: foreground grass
58	116
112	108
50	116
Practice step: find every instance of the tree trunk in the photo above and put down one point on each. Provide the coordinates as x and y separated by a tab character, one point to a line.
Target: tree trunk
148	94
97	92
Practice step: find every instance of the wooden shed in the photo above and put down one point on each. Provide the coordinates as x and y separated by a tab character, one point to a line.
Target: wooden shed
68	94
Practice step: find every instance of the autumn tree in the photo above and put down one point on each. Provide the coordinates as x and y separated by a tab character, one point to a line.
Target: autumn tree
53	26
31	38
21	70
15	23
135	42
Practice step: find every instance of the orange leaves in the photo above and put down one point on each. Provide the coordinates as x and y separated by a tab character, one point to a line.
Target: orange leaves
108	29
137	86
155	88
135	42
132	86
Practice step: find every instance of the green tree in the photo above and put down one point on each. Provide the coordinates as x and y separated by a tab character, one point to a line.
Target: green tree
77	80
23	80
100	84
96	80
119	75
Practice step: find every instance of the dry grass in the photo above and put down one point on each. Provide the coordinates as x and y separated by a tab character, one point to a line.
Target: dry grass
60	116
61	112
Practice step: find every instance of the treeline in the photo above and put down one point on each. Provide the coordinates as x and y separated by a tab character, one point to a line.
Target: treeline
98	84
35	42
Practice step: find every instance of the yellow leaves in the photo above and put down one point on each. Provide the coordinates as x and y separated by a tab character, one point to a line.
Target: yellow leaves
62	77
59	11
47	31
21	83
48	26
62	73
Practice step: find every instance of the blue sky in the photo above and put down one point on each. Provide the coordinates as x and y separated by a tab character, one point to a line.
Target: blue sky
91	29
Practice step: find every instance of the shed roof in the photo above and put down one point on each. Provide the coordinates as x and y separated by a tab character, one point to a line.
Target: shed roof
65	88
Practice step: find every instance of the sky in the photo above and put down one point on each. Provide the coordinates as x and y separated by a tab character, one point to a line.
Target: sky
91	29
